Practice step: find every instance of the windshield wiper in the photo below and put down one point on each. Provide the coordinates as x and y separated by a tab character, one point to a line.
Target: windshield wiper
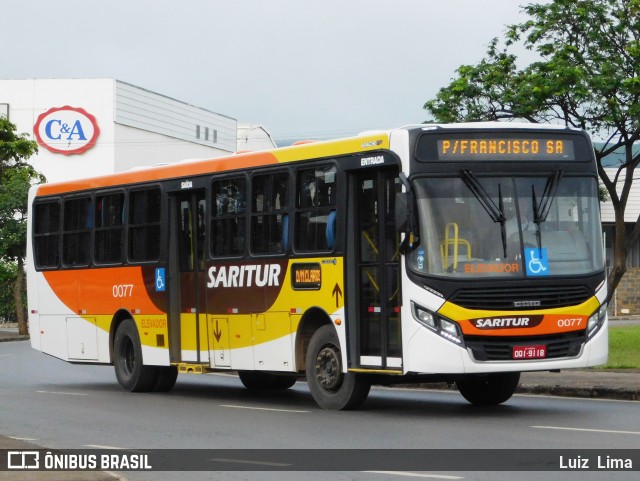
496	212
541	211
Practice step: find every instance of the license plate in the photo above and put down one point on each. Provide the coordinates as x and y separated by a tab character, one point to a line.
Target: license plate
529	352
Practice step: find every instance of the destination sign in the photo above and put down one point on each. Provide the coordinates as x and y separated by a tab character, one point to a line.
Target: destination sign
505	149
501	147
306	276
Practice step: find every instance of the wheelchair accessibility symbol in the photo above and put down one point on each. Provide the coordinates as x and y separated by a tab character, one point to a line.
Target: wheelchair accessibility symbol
537	262
160	279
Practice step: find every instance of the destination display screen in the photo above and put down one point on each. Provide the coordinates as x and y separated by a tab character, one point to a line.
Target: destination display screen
476	146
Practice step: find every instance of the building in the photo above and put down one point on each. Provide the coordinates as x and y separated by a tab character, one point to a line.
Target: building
626	299
89	127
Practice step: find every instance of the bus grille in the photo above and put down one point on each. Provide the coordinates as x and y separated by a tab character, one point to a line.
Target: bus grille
521	297
501	348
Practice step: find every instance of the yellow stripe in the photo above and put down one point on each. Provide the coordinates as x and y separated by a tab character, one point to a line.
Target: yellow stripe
330	148
458	313
375	371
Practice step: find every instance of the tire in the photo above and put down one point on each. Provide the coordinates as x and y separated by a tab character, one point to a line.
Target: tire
330	387
488	389
166	378
260	381
131	373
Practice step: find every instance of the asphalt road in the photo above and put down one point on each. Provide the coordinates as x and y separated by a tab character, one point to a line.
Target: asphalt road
62	406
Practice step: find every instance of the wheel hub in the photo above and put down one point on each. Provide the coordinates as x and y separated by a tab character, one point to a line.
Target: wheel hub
328	370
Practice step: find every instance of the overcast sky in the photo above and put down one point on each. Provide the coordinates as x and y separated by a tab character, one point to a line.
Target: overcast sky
303	69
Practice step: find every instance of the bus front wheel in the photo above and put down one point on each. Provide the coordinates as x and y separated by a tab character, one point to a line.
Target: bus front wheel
130	372
330	387
488	389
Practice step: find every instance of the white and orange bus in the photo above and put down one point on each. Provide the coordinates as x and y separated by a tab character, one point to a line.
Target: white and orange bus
466	253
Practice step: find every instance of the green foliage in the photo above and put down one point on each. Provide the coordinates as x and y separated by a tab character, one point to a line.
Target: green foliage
16	177
624	348
14	191
8	272
14	148
586	75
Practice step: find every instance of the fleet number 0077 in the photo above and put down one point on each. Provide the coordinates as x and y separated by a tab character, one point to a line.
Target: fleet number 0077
123	290
572	322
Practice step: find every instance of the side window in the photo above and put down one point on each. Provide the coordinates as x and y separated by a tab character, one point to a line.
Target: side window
228	217
109	233
315	209
144	225
269	217
46	234
76	235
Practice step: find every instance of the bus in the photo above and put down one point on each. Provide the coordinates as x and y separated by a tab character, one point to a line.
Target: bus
460	253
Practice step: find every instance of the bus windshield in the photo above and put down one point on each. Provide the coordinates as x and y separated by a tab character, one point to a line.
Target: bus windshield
506	226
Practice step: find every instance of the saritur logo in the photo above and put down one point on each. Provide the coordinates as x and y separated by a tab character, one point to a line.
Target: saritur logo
66	130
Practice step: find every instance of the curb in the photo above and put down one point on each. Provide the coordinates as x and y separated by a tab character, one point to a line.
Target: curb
15	337
586	392
594	392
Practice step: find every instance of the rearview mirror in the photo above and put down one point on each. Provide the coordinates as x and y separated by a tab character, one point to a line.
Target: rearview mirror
402	212
405	217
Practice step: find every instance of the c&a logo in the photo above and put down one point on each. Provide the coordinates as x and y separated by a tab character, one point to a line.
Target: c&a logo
66	130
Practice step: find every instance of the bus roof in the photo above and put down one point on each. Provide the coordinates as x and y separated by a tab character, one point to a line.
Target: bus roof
321	149
366	141
494	126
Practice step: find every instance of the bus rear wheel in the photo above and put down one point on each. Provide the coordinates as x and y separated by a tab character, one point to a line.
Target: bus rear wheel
488	389
330	387
166	378
266	380
131	373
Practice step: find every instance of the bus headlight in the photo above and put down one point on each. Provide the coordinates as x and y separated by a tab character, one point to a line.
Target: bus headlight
425	317
596	320
446	328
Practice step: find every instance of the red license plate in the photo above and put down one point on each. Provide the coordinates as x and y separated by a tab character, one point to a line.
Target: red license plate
529	352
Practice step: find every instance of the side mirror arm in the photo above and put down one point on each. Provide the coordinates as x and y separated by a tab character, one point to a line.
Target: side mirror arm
406	220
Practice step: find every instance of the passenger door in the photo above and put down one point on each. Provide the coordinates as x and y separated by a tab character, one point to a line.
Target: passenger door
374	257
187	251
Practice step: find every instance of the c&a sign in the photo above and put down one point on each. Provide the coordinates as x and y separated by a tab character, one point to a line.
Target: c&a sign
66	130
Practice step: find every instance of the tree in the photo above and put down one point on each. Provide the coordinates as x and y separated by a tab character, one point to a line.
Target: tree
586	75
16	176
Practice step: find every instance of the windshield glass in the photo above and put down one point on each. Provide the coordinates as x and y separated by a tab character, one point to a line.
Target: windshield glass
477	227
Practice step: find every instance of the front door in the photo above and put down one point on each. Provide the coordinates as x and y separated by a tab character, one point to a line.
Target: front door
374	246
187	312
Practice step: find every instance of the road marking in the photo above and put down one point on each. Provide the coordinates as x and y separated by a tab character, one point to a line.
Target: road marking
60	392
234	406
100	446
248	461
22	439
416	475
610	431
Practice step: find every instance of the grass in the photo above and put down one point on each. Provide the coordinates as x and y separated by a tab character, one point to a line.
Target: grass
624	347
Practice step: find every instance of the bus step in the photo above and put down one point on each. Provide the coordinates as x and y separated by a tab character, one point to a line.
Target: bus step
185	368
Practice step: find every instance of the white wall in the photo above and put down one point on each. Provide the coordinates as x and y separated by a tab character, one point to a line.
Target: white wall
27	99
137	127
136	148
152	112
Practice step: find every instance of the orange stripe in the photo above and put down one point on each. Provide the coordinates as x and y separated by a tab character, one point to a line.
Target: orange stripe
92	290
235	162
